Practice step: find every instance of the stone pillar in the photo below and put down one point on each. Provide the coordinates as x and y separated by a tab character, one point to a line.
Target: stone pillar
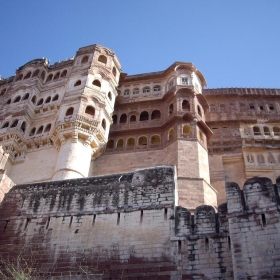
73	160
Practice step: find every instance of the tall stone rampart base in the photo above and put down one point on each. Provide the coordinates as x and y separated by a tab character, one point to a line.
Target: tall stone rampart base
128	226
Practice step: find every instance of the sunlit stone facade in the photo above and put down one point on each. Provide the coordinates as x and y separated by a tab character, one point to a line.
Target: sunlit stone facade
83	117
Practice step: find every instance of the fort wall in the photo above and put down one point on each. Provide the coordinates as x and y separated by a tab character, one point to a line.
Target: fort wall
128	226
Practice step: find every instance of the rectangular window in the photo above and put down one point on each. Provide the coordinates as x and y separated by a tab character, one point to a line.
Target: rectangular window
252	107
184	81
261	108
271	107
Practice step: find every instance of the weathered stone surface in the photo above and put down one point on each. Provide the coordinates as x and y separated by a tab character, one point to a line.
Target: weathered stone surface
128	226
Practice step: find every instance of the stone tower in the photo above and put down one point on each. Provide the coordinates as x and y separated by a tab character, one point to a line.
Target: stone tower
84	118
161	120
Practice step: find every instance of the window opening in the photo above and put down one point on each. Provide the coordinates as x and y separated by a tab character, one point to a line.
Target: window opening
185	105
77	83
115	119
156	115
123	118
184	80
144	116
15	123
28	75
170	109
84	59
132	118
96	83
55	97
26	96
90	111
104	124
157	88
70	111
102	59
48	128
17	99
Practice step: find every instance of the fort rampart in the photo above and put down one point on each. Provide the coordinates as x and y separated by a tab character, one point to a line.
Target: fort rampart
129	226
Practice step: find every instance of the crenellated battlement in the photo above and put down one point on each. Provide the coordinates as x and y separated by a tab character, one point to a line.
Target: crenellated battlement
258	194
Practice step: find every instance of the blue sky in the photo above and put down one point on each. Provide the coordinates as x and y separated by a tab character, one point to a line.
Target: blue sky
233	43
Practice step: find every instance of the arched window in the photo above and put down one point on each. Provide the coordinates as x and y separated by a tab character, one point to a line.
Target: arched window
123	118
156	115
26	96
23	126
63	74
276	131
135	91
260	159
32	131
144	116
56	76
114	71
187	129
115	119
142	141
130	142
132	118
84	59
33	100
155	140
232	107
212	108
104	124
3	91
48	100
96	83
270	158
43	75
55	97
35	73
266	131
171	134
199	110
9	101
77	83
102	58
256	130
90	111
17	99
40	102
69	112
120	143
126	93
110	144
40	130
185	105
170	109
49	78
15	123
6	124
110	95
48	128
146	90
157	88
28	75
19	77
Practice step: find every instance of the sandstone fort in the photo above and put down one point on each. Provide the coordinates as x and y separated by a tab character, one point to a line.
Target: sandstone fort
106	175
